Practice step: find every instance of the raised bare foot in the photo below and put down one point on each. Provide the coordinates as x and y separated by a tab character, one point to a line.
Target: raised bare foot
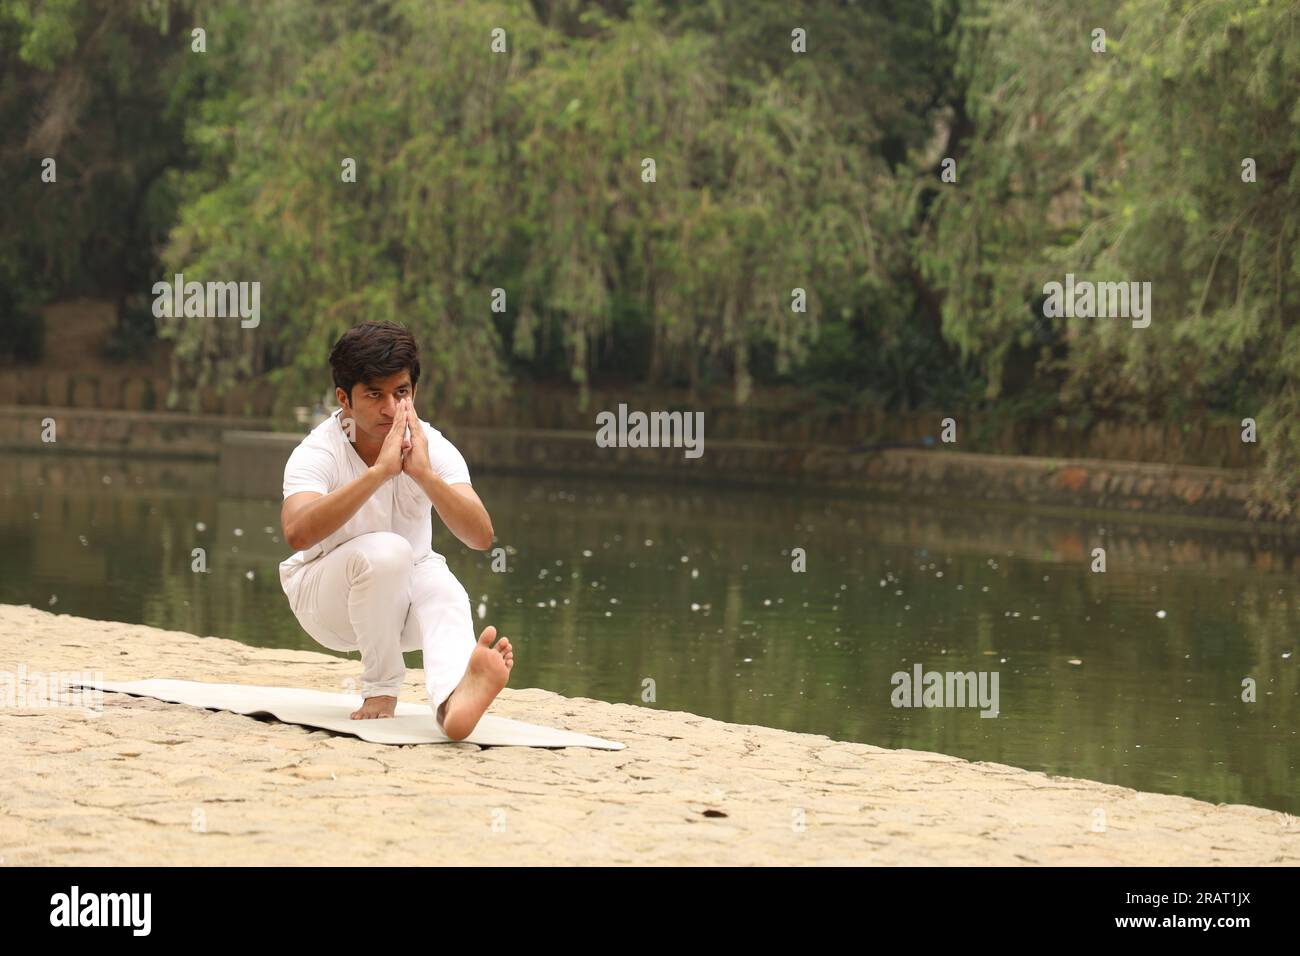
488	671
375	707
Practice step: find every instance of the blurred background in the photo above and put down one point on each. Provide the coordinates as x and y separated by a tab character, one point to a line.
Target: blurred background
796	146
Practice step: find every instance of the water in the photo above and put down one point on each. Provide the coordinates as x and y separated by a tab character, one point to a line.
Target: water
611	585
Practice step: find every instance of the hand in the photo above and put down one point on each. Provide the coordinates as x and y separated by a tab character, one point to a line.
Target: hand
417	460
389	462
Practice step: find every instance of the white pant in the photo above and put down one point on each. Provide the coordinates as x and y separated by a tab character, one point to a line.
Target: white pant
370	595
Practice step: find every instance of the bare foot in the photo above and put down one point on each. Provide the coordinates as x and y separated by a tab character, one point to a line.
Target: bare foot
488	671
374	707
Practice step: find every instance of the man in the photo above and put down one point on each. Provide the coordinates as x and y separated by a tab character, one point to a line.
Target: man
357	498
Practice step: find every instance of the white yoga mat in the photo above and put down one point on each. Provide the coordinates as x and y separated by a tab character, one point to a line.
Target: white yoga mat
413	723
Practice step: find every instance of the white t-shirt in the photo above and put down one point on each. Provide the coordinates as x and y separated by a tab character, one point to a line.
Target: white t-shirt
325	461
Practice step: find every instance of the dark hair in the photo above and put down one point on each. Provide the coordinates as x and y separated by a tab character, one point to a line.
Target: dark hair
373	350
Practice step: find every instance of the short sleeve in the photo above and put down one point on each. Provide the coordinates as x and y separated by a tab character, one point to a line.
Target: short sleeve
309	468
448	463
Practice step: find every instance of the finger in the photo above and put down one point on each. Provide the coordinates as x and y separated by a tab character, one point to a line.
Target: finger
417	429
398	428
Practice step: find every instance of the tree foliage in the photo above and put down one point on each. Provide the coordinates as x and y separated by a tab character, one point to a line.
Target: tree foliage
1128	165
774	170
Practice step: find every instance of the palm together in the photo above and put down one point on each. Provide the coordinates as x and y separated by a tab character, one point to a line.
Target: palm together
412	455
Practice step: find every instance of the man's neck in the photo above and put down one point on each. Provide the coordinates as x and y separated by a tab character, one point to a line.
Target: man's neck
369	455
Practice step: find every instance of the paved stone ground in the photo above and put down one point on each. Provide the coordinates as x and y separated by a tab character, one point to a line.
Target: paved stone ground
146	782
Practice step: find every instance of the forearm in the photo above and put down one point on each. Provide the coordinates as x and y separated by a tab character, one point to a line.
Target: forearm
321	518
466	519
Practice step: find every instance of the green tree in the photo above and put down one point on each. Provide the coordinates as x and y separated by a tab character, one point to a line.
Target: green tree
99	87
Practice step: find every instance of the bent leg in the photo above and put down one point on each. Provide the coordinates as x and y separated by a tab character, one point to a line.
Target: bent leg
441	625
357	597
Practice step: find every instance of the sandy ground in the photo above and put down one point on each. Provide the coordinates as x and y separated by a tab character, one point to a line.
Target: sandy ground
146	782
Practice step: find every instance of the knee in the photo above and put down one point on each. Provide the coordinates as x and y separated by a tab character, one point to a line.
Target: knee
386	553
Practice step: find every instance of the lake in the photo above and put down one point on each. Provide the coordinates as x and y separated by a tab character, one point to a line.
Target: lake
614	589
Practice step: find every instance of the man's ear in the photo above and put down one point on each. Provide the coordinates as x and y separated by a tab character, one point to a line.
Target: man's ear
348	418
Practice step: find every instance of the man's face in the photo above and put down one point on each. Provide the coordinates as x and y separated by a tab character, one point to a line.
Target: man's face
374	404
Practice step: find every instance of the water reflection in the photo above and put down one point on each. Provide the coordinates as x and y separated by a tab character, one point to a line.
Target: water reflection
610	585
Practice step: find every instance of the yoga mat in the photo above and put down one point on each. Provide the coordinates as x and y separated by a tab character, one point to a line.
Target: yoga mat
413	724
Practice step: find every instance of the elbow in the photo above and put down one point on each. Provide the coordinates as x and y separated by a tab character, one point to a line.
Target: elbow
293	539
485	541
